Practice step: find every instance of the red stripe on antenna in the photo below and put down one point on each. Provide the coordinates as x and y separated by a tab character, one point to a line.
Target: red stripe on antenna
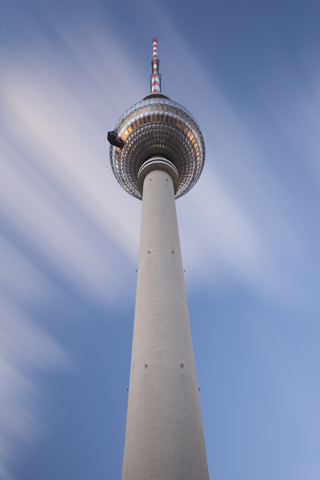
155	84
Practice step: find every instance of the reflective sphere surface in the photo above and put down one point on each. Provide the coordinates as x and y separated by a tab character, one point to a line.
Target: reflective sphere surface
157	126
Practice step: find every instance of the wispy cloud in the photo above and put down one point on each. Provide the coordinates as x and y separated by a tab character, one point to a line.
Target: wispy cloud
25	349
241	219
294	378
59	217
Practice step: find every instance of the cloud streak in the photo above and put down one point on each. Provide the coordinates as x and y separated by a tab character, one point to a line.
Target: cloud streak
25	349
60	226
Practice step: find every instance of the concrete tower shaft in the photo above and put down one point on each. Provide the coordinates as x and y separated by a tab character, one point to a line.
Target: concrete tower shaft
164	435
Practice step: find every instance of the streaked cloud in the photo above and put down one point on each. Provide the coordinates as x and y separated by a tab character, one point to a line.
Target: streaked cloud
241	219
58	217
25	350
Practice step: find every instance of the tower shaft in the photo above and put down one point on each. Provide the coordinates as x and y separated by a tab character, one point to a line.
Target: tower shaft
164	433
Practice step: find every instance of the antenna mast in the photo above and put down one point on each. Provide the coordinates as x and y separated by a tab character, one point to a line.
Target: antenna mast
155	78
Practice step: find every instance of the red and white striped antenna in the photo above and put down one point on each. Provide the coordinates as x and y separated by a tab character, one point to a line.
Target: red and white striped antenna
155	79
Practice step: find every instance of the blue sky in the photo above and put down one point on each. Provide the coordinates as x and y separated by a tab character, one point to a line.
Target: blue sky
250	73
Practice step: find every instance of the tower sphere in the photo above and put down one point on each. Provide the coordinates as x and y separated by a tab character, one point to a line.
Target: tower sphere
157	126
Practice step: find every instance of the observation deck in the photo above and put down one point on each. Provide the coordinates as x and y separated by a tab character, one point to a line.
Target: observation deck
157	126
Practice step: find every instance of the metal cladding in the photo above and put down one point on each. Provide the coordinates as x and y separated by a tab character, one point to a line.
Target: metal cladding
157	126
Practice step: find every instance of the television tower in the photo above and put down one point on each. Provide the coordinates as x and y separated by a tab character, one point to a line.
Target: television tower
157	154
